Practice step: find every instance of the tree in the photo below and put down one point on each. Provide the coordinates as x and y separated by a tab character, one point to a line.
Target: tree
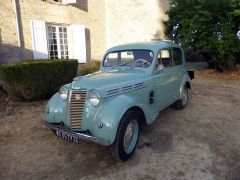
208	27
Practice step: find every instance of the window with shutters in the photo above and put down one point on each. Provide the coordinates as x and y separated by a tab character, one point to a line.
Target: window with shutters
57	42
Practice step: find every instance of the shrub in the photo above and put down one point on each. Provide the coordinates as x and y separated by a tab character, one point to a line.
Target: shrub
89	67
36	79
207	26
194	56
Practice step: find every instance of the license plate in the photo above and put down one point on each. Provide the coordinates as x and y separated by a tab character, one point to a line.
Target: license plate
67	136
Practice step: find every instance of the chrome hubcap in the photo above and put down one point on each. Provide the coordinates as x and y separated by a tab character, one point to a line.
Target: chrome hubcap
130	136
184	96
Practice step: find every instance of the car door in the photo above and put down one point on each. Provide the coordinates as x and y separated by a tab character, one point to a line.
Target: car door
164	79
178	69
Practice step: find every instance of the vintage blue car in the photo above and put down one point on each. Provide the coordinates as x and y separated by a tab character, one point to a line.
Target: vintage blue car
109	107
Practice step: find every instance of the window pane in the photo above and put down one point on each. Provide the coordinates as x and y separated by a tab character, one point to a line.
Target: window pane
165	58
53	29
137	58
54	35
177	57
50	35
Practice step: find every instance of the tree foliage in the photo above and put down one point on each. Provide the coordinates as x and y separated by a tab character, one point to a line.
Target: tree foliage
208	27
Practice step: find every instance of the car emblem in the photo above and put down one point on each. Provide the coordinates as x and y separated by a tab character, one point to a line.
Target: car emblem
78	97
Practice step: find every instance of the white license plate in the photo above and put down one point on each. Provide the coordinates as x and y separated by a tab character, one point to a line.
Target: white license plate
67	136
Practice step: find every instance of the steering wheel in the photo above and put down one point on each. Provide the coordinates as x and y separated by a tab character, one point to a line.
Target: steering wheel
141	63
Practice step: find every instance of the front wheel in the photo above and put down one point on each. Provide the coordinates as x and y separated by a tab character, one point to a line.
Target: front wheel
126	137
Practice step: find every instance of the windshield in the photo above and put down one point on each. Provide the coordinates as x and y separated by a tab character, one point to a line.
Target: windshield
136	58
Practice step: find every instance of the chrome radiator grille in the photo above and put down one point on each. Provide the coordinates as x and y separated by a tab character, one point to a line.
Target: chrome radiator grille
77	102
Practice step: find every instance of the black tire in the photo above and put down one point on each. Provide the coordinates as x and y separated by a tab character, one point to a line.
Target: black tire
117	148
182	103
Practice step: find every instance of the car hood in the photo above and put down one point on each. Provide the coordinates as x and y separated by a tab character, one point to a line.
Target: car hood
112	82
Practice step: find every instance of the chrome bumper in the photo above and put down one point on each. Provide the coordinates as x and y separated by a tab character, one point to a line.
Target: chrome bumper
81	136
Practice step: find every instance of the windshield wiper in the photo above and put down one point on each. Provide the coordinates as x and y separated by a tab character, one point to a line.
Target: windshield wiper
124	64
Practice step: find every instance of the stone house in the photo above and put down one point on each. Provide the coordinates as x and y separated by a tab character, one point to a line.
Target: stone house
80	29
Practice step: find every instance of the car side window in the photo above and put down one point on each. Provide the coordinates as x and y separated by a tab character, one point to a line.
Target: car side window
177	57
111	59
165	58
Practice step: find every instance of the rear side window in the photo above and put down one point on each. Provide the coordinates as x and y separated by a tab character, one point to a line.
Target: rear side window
177	57
164	58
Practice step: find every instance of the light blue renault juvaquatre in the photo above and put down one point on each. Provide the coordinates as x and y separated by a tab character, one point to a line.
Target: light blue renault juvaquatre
109	107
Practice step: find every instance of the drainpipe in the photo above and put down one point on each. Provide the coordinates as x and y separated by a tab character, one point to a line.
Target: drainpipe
21	43
17	22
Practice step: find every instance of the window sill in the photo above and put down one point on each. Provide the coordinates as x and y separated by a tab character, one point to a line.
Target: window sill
57	3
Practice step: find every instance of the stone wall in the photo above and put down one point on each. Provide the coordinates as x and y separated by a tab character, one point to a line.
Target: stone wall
134	20
9	48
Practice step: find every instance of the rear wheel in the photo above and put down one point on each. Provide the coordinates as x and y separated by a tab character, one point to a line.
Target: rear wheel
127	136
183	101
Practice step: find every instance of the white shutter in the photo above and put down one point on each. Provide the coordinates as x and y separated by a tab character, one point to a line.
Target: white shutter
39	39
78	43
68	1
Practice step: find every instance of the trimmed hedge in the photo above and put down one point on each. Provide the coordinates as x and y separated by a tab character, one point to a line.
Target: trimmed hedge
36	79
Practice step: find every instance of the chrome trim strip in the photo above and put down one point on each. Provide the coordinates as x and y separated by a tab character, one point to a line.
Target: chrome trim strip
79	135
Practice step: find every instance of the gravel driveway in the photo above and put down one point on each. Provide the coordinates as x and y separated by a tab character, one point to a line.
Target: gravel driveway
199	142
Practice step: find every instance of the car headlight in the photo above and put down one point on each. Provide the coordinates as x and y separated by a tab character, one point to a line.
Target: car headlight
63	92
94	98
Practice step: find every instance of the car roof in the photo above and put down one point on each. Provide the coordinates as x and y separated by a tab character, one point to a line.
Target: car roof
156	45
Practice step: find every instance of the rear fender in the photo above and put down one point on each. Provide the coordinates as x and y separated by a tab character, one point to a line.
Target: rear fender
186	80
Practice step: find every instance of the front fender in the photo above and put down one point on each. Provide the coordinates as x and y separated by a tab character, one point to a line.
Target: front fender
111	113
56	110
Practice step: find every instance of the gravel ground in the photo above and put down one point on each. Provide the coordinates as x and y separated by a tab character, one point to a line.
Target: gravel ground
199	142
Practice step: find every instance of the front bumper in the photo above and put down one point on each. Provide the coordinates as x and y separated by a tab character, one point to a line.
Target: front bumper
81	136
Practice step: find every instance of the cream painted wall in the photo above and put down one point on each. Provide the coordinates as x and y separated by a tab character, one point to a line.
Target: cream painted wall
134	20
